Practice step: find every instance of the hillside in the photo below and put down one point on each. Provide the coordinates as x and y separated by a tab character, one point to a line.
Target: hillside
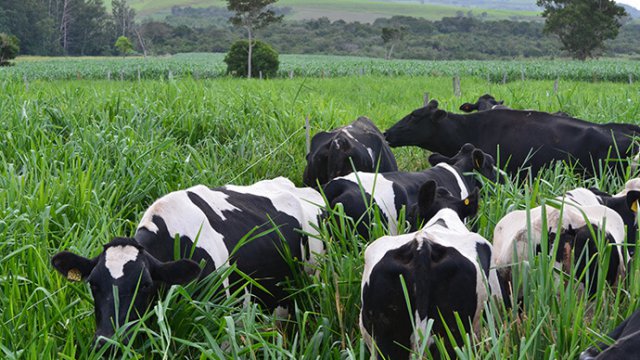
350	10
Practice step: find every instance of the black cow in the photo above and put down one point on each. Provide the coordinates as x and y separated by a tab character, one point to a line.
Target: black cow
209	223
392	190
333	152
517	138
626	345
485	102
446	269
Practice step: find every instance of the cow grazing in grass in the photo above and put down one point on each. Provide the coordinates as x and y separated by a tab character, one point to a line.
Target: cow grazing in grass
519	139
626	337
209	224
359	145
445	269
485	102
392	190
625	204
519	230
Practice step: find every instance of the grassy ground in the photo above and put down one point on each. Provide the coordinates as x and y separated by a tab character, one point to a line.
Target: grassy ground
348	10
81	160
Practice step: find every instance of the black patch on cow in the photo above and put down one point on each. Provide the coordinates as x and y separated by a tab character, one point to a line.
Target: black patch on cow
484	257
627	341
442	223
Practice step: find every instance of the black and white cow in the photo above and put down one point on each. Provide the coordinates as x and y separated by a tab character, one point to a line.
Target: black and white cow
392	190
625	204
485	102
332	153
446	269
626	345
518	139
209	223
519	230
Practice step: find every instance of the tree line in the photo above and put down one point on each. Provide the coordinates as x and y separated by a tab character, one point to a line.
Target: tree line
84	27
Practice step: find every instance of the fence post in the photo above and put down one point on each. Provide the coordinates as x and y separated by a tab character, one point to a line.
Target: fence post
290	74
121	75
488	78
108	74
522	74
630	79
138	73
456	86
170	75
426	98
308	133
26	83
504	77
555	86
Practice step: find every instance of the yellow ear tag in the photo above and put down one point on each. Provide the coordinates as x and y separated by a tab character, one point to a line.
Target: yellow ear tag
466	201
634	206
74	275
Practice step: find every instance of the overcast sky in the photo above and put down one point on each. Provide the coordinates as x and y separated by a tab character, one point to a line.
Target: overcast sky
634	3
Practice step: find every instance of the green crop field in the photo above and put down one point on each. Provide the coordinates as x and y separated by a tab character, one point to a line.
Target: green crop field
348	10
207	65
82	159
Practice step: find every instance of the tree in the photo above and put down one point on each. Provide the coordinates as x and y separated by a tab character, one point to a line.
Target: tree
582	25
392	36
252	15
124	45
264	57
123	18
9	48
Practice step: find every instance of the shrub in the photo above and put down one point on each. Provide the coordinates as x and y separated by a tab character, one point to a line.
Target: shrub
9	48
264	58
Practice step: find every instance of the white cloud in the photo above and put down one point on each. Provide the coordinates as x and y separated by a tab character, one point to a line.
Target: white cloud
634	3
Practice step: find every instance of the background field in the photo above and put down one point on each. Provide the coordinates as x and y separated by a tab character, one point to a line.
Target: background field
348	10
203	65
82	159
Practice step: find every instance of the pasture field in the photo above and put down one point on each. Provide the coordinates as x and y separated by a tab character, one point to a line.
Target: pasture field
347	10
208	65
81	160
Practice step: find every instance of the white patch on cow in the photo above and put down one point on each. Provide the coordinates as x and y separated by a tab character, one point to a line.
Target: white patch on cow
631	185
381	189
520	230
116	257
336	142
580	196
345	130
372	156
464	192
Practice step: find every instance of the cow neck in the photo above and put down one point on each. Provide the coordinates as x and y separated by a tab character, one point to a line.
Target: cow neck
453	135
464	193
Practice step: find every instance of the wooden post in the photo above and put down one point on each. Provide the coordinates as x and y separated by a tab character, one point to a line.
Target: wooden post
426	98
138	73
26	83
488	78
555	86
504	77
630	79
260	74
170	75
522	74
456	86
290	74
121	75
308	133
108	74
361	71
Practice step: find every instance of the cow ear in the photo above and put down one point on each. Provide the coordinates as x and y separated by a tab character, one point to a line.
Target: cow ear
437	158
471	202
73	267
467	107
478	159
433	104
427	194
501	102
632	200
439	115
175	272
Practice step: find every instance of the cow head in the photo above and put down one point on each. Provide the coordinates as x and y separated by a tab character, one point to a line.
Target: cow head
485	102
414	128
432	199
469	158
627	207
126	271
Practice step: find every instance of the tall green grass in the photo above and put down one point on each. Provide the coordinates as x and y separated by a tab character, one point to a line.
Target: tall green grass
81	160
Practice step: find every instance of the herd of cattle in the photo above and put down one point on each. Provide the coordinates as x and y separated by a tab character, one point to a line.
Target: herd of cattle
441	267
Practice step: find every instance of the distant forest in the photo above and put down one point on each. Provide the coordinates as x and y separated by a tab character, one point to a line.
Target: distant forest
83	27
